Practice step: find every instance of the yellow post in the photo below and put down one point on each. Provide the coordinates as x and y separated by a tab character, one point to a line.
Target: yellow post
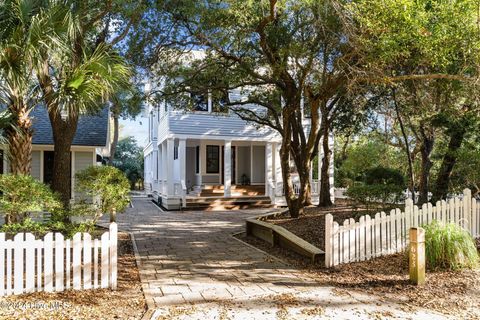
417	255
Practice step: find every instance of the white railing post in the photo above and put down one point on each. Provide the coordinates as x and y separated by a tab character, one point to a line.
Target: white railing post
328	240
467	211
113	256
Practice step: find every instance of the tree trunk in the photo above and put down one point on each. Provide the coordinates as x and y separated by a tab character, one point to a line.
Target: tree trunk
324	196
19	137
426	150
308	193
411	175
63	134
294	205
113	145
449	159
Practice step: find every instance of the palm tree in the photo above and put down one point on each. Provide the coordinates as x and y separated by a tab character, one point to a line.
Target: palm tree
25	29
75	80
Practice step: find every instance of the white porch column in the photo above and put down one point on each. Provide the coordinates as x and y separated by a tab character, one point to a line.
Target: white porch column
169	156
182	157
161	151
155	165
331	167
319	168
164	167
278	163
268	166
159	163
227	168
251	163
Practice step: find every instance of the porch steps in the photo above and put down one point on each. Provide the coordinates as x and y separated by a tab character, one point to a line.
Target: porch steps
235	190
230	203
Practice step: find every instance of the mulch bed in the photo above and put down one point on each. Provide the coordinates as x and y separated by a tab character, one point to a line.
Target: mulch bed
127	302
311	225
448	292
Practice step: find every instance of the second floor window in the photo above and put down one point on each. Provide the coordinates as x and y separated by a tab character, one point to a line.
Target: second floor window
200	101
175	152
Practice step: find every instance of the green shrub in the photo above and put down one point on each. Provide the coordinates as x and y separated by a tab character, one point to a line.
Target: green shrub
384	176
22	195
109	184
27	225
69	229
449	246
375	196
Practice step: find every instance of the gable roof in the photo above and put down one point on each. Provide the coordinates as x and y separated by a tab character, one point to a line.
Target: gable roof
92	130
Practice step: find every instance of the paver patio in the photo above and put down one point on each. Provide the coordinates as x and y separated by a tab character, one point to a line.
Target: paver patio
192	268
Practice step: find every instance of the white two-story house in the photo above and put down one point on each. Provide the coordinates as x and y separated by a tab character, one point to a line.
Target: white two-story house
210	158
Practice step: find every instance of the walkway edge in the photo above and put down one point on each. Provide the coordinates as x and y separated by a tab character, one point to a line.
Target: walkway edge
148	299
258	249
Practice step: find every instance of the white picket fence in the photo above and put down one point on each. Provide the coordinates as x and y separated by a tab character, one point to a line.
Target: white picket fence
387	234
55	263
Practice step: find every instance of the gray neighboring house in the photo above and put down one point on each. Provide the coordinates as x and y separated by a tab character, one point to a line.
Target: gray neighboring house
91	143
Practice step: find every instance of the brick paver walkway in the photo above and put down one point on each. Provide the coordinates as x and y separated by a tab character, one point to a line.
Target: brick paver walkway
192	268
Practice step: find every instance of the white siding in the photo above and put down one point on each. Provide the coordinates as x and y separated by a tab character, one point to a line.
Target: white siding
36	164
205	124
258	174
163	127
83	160
190	167
243	163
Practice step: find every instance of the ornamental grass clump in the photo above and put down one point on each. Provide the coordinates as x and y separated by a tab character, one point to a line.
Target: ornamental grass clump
449	246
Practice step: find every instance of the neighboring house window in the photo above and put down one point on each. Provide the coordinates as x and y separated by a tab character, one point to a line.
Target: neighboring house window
220	102
213	159
200	101
197	160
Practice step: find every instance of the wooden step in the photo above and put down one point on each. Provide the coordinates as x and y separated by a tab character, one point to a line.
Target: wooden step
222	207
226	199
235	187
230	203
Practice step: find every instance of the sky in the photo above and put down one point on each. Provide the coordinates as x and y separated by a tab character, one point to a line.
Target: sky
137	128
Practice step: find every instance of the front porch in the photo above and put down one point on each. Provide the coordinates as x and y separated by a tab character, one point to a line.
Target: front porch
214	169
190	167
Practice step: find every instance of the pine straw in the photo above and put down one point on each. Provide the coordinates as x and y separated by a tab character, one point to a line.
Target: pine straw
454	293
311	225
125	303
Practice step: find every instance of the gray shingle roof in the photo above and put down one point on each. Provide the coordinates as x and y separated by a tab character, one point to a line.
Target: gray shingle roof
91	131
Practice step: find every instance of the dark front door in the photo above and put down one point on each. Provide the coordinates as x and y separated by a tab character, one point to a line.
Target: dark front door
48	159
234	165
47	167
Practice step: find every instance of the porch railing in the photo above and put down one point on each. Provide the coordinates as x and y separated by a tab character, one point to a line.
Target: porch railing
280	191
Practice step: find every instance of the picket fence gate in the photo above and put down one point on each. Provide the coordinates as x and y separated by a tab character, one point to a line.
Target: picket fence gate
387	234
53	264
